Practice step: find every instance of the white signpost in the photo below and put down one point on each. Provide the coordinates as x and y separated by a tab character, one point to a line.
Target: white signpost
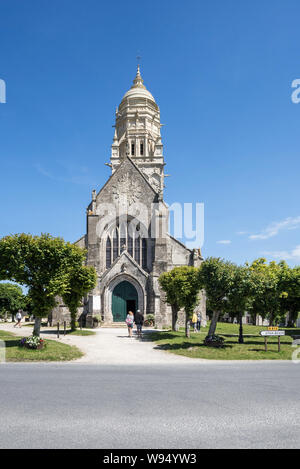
272	333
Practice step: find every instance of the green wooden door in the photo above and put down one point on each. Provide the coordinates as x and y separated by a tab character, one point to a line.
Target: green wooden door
124	296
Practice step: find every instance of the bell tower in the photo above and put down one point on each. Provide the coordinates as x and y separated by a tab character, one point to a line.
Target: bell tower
137	133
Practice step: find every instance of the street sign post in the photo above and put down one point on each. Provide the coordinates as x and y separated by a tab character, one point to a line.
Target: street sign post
272	333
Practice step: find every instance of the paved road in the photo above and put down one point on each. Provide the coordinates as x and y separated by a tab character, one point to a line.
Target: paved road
211	405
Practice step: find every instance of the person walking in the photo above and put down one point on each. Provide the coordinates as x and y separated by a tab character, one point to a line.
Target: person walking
129	321
139	321
194	321
19	319
199	318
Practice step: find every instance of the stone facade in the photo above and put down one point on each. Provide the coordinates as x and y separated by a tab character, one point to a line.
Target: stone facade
127	221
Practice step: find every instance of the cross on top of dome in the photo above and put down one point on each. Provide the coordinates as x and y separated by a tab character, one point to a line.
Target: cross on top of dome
138	89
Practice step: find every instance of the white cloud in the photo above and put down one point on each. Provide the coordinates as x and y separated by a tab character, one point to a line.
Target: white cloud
273	229
224	241
294	254
71	174
241	233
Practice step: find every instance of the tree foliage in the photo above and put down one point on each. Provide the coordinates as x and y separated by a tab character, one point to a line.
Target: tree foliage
290	301
216	277
270	290
82	279
42	263
11	299
240	294
182	288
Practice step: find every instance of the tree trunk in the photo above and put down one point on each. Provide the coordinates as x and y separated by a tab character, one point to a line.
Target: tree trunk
174	318
241	337
73	320
213	324
271	319
187	327
292	318
37	326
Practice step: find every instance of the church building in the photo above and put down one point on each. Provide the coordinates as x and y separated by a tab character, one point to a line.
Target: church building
127	237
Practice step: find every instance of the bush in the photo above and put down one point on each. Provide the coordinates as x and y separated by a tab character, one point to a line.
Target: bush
214	341
150	320
33	342
97	320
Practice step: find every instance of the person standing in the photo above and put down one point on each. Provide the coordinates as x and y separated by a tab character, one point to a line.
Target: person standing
139	321
199	322
18	318
194	321
129	321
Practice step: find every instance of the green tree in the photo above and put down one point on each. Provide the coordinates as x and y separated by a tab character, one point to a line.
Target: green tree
167	281
82	279
11	299
290	284
240	295
181	286
270	290
216	277
42	263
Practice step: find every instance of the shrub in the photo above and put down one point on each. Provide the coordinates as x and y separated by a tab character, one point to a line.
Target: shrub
97	320
150	320
214	341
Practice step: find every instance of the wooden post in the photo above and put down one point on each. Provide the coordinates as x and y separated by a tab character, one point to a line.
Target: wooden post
279	343
58	330
266	343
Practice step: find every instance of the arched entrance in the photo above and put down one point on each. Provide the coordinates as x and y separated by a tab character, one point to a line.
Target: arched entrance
124	299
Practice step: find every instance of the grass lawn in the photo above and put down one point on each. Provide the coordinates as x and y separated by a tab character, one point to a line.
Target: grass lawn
53	351
252	349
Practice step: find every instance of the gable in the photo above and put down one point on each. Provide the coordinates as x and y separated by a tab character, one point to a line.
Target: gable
125	265
125	189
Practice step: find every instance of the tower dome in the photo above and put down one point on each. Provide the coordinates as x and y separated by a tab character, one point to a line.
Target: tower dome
138	89
137	134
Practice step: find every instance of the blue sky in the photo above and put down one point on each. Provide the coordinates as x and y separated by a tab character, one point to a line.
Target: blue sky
221	72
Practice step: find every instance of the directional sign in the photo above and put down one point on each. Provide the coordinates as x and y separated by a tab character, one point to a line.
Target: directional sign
272	333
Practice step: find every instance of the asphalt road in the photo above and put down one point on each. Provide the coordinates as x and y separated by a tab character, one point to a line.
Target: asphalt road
210	405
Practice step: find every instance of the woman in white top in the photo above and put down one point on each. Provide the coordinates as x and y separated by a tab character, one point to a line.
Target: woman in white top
129	322
18	318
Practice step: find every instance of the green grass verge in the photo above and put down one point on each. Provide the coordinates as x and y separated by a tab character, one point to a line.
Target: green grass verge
252	349
53	350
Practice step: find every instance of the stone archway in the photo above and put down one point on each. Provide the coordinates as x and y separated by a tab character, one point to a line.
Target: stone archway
108	295
124	299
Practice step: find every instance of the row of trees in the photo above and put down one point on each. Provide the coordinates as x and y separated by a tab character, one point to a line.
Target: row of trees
271	291
49	267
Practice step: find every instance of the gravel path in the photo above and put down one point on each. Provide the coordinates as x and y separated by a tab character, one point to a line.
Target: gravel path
111	346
